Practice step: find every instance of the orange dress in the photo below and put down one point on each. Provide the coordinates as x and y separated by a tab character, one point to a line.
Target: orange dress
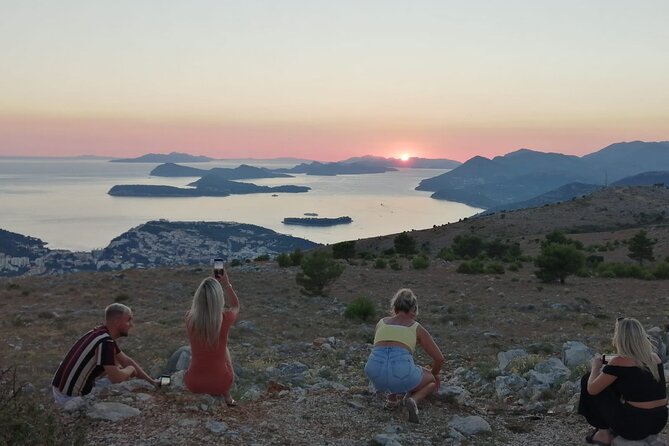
210	370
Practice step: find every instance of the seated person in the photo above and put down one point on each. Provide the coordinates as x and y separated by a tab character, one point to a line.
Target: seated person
208	324
628	396
390	365
96	355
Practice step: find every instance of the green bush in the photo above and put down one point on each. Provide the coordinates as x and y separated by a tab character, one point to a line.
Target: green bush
557	261
344	250
405	244
471	267
395	264
380	263
467	246
661	270
494	268
446	254
24	420
235	262
284	260
296	257
360	308
319	269
420	262
389	252
262	258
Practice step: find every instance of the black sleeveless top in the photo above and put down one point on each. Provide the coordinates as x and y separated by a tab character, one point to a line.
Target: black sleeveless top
637	384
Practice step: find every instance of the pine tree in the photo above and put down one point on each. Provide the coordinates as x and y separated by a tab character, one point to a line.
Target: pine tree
641	247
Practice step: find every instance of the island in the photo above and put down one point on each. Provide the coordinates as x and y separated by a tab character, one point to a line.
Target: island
212	186
316	221
242	172
337	168
174	157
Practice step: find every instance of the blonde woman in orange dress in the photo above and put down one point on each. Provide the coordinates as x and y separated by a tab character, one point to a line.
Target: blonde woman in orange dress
208	323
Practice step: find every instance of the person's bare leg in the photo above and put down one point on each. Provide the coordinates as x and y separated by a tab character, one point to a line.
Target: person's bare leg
603	436
425	387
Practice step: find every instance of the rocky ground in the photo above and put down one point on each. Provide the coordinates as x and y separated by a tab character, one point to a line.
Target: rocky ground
299	360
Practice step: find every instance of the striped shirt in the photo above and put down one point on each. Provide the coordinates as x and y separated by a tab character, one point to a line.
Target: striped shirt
85	361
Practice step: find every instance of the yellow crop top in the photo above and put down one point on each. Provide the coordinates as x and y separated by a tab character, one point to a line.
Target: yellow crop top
396	333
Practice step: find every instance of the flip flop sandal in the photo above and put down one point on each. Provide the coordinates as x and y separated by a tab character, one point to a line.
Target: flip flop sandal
231	403
590	439
412	409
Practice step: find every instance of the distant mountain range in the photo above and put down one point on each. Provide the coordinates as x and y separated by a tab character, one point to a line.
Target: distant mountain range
526	174
174	157
337	168
413	162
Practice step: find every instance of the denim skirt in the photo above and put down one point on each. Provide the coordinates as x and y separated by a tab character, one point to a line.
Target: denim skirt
391	369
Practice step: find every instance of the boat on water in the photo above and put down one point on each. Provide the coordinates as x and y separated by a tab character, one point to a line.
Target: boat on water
316	221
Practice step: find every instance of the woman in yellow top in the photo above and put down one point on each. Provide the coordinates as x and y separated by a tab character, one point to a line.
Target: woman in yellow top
390	366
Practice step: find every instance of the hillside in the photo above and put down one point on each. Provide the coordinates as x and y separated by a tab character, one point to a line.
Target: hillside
299	361
525	174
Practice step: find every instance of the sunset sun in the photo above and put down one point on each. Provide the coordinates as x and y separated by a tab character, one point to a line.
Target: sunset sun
404	157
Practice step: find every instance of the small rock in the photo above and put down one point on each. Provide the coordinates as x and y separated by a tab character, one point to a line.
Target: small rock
74	404
575	353
112	411
217	427
504	358
456	393
179	360
386	440
247	326
468	426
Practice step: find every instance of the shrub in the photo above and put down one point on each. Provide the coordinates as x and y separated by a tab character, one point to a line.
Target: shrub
471	267
235	262
641	247
296	257
25	421
380	263
661	270
559	238
366	255
344	250
123	297
319	269
467	246
405	244
262	258
446	254
283	260
395	264
420	262
495	268
389	252
557	261
360	308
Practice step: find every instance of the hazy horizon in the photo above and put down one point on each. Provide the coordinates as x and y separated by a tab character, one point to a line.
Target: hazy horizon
330	80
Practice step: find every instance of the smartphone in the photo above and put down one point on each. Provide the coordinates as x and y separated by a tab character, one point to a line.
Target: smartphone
164	380
219	267
607	358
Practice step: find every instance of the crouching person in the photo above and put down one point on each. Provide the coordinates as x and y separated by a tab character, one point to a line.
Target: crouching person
96	355
628	395
391	367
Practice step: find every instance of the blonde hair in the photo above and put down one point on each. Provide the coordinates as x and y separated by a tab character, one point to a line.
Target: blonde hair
206	312
631	340
404	301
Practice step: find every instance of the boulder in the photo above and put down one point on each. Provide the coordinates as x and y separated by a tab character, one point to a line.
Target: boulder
386	440
216	427
575	353
504	358
508	385
548	374
112	411
453	392
180	360
468	426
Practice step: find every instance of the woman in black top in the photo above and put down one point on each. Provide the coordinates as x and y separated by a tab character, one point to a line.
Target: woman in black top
628	396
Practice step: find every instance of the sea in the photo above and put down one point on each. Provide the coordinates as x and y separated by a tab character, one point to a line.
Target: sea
64	202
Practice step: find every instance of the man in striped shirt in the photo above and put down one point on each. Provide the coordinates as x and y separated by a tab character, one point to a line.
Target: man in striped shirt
95	355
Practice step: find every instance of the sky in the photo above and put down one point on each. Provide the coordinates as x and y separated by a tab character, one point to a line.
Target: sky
326	80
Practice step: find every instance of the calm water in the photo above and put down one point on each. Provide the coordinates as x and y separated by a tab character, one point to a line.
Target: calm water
65	202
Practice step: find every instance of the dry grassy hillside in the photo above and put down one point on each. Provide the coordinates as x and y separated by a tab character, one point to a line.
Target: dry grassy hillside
473	317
